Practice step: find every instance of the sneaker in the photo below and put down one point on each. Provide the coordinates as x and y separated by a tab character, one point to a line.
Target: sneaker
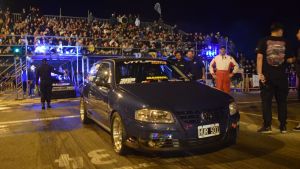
297	128
265	130
283	129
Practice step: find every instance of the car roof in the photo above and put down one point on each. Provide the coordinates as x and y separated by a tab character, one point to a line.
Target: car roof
129	59
132	59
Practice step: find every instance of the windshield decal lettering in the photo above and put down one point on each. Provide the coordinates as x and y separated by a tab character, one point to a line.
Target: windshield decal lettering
127	80
153	62
156	78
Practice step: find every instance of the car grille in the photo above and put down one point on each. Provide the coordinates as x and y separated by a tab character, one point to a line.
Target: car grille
202	116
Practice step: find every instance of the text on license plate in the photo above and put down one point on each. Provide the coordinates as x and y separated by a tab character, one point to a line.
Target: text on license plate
208	130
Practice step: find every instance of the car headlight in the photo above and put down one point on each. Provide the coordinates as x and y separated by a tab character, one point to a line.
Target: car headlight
154	116
232	108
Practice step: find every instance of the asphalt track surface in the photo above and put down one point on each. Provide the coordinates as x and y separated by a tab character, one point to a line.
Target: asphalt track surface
55	139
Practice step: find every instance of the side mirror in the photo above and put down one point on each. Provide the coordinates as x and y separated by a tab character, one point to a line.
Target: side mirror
190	76
100	82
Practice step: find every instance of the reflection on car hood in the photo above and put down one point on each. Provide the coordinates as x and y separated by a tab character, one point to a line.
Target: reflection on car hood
178	96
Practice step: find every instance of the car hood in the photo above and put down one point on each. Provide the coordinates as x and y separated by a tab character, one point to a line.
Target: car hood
178	96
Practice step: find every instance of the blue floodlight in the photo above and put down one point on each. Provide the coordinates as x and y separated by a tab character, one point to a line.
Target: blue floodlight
17	50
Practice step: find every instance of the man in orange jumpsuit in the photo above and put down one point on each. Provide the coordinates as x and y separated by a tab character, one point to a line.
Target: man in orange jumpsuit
222	68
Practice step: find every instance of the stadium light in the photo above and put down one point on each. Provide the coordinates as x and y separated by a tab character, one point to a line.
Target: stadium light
17	50
32	68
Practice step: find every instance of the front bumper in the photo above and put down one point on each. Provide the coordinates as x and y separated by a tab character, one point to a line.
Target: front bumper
60	92
174	137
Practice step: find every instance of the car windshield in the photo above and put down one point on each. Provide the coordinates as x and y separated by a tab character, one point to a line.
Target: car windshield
147	71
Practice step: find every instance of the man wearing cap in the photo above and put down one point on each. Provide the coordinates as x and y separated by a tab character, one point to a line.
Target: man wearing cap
43	74
222	68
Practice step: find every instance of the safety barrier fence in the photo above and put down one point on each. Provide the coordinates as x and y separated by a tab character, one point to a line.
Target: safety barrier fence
247	82
11	77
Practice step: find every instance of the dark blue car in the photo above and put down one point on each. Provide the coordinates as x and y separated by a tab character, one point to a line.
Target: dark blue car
150	104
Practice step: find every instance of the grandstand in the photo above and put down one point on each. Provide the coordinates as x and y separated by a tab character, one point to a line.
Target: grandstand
34	34
28	36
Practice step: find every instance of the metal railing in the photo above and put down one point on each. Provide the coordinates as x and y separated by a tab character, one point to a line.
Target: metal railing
32	45
20	83
11	77
7	78
247	82
18	17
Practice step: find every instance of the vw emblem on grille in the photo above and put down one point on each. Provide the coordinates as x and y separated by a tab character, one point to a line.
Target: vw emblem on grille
206	116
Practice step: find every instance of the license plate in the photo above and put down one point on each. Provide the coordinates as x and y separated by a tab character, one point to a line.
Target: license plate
208	130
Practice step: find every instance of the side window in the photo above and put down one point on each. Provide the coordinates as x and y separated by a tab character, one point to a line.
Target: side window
167	71
103	75
92	73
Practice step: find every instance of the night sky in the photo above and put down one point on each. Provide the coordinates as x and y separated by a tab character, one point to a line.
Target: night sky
243	21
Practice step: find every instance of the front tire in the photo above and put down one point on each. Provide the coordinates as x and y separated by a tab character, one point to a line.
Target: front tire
83	112
118	135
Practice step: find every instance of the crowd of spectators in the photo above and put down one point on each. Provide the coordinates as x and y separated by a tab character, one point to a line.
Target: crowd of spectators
249	66
118	35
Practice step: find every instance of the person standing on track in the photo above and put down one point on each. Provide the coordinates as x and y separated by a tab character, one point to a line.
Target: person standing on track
273	54
43	74
179	61
195	67
297	128
222	68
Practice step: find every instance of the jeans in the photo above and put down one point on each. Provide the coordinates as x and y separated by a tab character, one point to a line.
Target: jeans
278	88
46	92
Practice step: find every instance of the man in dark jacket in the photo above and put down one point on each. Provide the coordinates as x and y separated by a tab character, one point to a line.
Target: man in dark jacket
179	62
43	74
298	62
297	128
195	68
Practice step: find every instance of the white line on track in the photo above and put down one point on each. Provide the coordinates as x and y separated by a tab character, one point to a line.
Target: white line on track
39	119
37	101
4	108
249	102
258	115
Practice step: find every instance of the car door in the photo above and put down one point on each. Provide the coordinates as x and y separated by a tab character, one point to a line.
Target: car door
100	93
90	92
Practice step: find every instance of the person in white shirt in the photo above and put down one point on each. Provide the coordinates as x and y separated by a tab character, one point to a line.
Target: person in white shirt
222	68
137	22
